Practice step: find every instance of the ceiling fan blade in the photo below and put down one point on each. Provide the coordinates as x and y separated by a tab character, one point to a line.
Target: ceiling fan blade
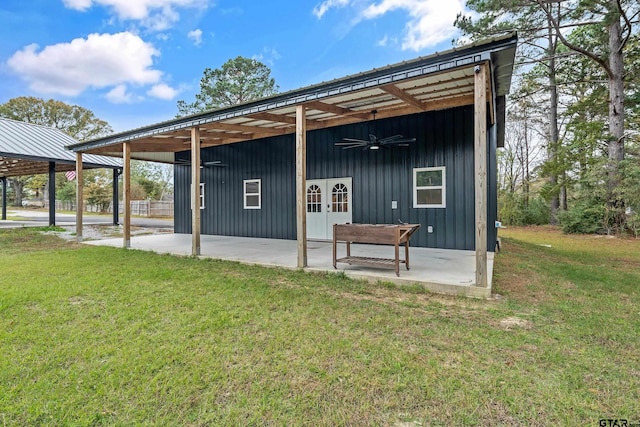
390	138
215	163
400	142
356	144
348	147
354	140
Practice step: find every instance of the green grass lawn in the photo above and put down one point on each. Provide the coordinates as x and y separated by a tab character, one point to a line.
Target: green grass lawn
106	336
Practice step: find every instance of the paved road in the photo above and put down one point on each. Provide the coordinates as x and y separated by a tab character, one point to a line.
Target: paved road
38	218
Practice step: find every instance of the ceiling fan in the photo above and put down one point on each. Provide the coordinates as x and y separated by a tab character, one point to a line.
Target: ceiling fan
374	143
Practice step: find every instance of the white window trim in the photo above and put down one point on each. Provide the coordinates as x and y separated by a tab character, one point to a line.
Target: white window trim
245	194
442	187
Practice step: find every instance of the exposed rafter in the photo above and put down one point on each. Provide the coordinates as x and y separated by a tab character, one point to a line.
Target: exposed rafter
405	96
335	109
217	126
277	118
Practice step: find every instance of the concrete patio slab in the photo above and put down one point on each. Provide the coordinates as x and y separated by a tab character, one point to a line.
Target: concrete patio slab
439	270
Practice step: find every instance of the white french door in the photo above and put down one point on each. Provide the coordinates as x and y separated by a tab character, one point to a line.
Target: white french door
328	203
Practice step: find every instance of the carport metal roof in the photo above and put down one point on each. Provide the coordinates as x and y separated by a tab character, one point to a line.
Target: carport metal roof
439	81
27	149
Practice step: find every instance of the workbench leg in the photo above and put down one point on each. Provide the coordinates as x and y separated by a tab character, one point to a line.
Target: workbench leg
406	253
334	253
397	250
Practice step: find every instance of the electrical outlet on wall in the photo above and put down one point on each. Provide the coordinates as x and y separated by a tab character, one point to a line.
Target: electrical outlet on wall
429	229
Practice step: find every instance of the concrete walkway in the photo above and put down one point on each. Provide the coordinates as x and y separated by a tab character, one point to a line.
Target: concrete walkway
39	218
439	270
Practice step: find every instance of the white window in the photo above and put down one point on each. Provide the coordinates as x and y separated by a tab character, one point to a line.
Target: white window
201	196
252	193
429	187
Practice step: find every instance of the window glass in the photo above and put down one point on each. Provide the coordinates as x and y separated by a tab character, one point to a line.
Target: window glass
252	187
429	178
314	199
339	198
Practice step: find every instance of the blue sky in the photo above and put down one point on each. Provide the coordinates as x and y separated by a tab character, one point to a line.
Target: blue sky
130	61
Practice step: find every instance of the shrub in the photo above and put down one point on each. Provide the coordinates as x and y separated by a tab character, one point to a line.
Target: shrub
583	218
513	210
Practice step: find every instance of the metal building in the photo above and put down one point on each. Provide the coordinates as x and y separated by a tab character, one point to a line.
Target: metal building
291	165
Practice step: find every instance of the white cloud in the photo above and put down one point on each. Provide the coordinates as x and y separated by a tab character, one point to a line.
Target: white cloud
430	21
383	41
77	4
119	95
196	36
154	14
268	56
99	61
163	91
235	10
323	7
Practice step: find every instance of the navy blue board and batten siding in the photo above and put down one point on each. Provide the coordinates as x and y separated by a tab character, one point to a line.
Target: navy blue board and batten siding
443	138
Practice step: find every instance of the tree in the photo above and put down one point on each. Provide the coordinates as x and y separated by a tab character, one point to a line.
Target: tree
584	56
239	80
98	189
155	180
75	121
78	122
616	18
538	46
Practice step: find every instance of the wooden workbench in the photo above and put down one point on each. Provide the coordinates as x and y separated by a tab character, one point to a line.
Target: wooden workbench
378	234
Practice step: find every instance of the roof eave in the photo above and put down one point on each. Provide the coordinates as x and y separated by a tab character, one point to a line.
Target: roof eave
437	62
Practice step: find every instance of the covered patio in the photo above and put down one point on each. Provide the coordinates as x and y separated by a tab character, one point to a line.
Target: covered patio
477	76
439	270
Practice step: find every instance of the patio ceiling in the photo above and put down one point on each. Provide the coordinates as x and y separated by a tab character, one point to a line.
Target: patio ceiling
429	83
12	167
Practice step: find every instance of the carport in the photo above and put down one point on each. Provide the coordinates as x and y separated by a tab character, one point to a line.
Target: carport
28	149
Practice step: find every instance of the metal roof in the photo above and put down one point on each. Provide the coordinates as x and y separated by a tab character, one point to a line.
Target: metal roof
27	149
439	81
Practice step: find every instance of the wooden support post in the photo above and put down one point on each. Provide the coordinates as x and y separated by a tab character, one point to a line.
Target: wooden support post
301	179
126	196
4	198
52	193
195	191
480	172
116	202
79	197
